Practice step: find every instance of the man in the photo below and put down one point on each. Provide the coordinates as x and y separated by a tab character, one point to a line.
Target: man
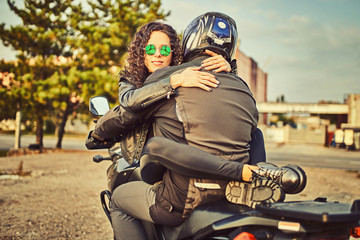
219	122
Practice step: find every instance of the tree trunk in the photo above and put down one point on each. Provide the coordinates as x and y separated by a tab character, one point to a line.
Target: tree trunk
61	129
40	131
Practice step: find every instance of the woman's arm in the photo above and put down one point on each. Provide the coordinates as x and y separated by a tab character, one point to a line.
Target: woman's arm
133	99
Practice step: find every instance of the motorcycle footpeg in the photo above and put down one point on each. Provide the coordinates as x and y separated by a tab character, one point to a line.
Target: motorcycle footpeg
259	191
99	158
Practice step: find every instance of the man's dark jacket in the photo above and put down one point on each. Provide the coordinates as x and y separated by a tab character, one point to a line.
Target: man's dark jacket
219	122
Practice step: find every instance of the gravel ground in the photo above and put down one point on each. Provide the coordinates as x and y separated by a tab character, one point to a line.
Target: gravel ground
59	199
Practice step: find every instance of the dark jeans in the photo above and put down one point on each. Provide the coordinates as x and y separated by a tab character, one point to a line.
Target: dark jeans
133	201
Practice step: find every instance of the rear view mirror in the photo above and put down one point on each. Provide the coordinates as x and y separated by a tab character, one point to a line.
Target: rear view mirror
99	105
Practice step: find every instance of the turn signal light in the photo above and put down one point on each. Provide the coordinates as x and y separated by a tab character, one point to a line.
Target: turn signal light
355	232
245	236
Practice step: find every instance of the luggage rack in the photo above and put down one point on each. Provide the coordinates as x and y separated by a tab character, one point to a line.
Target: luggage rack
318	210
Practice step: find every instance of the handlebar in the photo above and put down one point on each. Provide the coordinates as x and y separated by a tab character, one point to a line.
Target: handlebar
92	143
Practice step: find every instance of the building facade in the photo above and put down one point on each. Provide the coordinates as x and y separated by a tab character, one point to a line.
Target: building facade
253	75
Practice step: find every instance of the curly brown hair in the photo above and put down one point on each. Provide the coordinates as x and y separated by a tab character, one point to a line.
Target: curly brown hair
135	70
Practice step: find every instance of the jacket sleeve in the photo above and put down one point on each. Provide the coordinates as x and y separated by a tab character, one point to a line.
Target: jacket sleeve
118	121
134	99
115	123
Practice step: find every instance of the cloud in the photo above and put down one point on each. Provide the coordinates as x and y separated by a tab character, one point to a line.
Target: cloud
314	60
299	20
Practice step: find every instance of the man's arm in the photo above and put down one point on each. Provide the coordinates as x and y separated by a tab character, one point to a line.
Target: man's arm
135	108
114	123
118	121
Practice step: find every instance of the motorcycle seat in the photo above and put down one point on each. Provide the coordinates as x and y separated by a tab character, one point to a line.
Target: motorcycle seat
203	217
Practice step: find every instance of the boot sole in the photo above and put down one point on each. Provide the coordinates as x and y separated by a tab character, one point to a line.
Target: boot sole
254	193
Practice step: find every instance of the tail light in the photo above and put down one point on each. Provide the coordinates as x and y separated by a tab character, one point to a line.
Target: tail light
245	236
355	232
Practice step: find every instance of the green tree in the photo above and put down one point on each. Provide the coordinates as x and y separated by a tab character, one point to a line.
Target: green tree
41	38
102	33
73	51
15	90
9	90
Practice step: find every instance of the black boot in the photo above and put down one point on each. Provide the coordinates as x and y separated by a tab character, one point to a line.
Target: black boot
291	178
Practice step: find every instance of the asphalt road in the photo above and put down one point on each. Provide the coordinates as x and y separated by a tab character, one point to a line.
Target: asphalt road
301	154
69	142
343	162
313	156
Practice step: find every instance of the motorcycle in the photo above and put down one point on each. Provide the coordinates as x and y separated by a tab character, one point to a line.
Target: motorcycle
314	219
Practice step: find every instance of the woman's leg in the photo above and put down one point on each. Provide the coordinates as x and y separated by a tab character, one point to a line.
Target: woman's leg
129	203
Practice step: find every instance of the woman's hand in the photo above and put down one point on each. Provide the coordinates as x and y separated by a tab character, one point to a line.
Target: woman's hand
216	62
193	77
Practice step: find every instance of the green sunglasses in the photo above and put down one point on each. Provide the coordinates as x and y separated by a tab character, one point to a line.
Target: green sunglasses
164	50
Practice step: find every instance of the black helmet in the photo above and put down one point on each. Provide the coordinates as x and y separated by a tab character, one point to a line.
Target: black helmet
214	31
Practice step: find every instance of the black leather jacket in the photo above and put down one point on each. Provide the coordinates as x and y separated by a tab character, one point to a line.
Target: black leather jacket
133	100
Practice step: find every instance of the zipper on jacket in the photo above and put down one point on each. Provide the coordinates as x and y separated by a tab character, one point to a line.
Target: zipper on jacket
167	94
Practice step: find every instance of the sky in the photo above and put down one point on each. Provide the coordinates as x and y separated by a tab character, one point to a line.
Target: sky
310	49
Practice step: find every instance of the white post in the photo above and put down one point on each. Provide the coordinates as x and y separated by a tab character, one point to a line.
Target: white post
17	143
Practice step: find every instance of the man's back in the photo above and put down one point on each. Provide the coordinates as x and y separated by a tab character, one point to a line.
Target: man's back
219	122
